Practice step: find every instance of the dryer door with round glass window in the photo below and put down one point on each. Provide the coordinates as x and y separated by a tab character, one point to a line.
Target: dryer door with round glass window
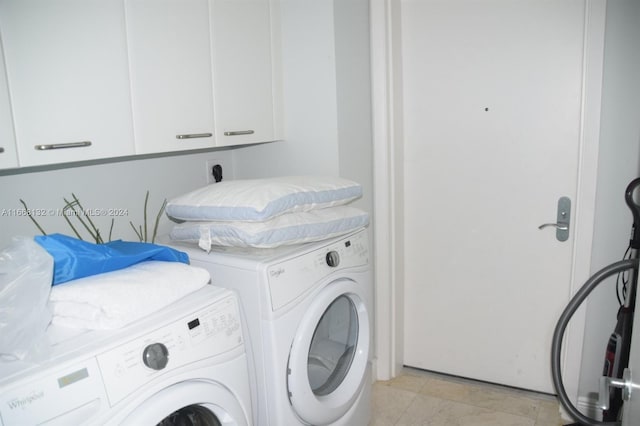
329	355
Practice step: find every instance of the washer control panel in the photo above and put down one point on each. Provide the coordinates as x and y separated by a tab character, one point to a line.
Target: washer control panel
70	393
209	332
155	356
333	258
290	279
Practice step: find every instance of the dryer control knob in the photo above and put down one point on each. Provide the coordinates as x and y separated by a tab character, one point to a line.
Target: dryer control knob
155	356
333	258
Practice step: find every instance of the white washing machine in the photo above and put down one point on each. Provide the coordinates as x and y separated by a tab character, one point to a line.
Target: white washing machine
309	315
184	365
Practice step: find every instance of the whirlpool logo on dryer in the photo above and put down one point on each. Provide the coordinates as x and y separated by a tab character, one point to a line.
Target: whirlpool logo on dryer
275	273
25	401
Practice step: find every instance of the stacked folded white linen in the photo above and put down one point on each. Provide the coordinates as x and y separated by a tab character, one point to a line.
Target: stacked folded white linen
117	298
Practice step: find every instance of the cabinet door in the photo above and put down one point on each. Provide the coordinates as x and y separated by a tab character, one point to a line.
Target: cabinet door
68	76
170	56
242	71
8	155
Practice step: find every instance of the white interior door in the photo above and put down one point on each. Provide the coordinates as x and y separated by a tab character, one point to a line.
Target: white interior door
492	94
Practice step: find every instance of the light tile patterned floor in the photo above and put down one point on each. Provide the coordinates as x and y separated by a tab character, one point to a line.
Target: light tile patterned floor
422	398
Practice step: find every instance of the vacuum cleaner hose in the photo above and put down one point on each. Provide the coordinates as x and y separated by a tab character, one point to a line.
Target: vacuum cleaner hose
558	334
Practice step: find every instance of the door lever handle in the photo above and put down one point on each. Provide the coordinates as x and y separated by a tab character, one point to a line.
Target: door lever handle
560	226
563	219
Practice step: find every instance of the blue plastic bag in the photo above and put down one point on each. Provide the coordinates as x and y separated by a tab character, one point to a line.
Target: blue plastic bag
75	258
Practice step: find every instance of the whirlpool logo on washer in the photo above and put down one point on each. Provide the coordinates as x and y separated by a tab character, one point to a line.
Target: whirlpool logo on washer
275	273
25	401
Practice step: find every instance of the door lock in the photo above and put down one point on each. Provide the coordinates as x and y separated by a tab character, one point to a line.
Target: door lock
563	219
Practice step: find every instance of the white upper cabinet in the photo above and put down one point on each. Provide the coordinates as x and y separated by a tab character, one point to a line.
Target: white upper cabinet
93	79
201	73
171	85
68	76
242	72
8	154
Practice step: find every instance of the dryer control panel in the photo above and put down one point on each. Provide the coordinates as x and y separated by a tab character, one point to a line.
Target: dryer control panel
212	331
292	278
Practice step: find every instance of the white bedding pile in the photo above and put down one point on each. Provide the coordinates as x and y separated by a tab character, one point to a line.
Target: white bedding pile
114	299
258	200
292	228
267	213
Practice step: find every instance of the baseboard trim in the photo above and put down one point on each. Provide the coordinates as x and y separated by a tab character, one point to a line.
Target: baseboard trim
589	407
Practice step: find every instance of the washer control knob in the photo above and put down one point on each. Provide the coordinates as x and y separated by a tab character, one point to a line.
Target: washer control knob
155	356
333	258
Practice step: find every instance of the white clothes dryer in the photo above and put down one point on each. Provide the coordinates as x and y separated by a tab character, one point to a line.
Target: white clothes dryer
183	365
309	315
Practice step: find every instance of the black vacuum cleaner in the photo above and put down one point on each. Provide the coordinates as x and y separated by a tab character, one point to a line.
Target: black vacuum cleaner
618	347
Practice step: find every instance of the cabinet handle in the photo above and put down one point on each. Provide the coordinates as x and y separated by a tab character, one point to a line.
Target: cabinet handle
62	145
194	135
239	132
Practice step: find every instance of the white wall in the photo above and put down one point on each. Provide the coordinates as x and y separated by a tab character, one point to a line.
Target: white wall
327	96
353	87
309	97
618	165
118	185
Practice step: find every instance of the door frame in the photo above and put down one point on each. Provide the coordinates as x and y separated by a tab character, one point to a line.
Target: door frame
386	76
